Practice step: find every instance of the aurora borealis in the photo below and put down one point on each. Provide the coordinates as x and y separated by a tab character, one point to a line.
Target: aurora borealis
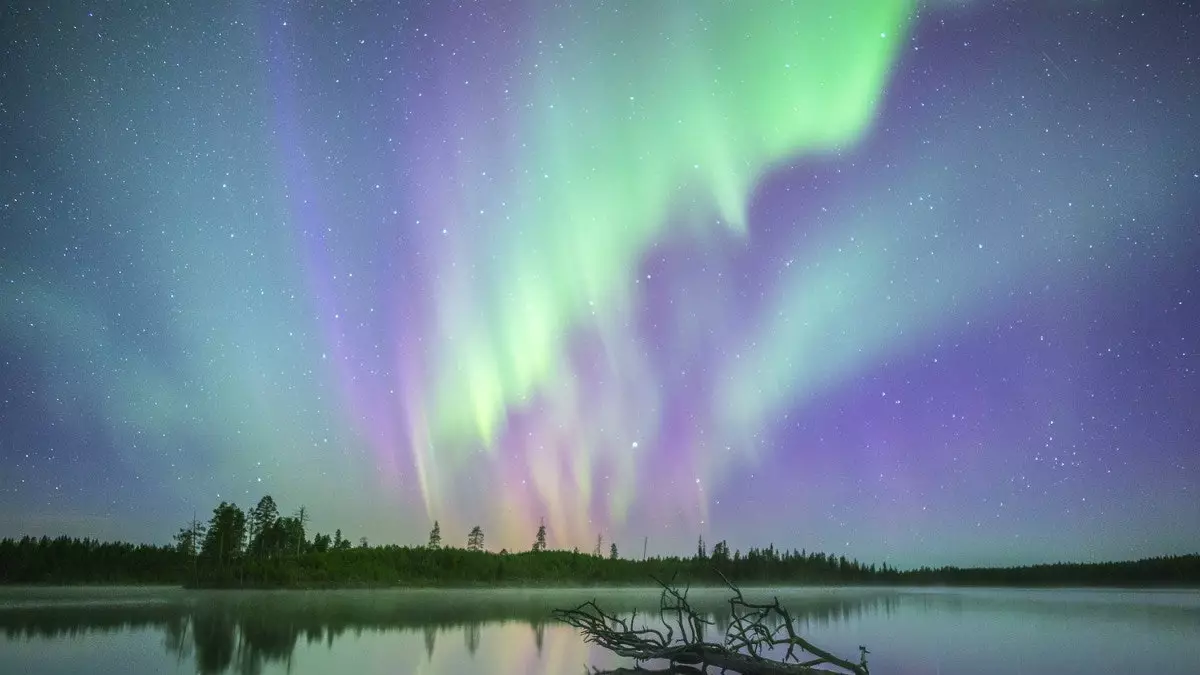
904	281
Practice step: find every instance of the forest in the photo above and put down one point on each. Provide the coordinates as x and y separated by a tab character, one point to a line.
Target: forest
262	548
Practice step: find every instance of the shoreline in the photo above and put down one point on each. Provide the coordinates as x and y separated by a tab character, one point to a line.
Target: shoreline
557	586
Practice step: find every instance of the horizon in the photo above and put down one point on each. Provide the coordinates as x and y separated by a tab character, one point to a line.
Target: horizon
449	543
909	282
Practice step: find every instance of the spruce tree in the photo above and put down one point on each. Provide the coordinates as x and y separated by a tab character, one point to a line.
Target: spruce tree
539	544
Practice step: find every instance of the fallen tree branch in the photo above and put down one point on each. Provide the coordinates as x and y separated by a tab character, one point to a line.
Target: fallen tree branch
638	670
755	630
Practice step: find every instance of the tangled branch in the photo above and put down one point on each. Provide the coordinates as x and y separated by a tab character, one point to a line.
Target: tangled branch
747	641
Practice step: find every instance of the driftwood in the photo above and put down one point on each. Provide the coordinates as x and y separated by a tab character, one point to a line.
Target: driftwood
681	643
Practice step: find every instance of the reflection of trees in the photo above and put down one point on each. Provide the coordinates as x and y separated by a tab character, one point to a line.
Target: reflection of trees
242	632
265	639
430	634
471	635
539	635
177	639
215	641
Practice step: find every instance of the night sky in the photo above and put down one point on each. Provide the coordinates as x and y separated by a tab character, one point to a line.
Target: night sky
905	282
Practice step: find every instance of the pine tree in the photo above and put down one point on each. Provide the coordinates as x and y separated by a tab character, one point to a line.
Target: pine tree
612	551
539	544
475	539
720	552
301	520
321	542
261	522
188	539
226	532
435	536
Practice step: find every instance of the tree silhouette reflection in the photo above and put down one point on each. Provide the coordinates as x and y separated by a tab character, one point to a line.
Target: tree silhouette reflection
242	632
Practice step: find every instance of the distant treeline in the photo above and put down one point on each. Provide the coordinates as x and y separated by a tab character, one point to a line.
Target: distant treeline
261	548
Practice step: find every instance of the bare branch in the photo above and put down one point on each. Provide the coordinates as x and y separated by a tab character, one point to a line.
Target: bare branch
756	629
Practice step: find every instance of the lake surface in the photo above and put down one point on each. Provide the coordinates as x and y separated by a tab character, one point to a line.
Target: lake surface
434	632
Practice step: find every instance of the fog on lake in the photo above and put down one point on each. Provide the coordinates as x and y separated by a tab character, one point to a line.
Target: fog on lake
448	632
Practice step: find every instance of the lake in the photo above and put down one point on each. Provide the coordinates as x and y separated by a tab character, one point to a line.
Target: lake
436	632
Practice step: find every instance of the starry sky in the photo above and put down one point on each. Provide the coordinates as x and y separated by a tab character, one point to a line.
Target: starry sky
898	280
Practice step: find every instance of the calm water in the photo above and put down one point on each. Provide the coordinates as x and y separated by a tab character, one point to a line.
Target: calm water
139	630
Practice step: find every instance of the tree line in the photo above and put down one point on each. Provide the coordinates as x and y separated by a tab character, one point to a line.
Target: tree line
261	547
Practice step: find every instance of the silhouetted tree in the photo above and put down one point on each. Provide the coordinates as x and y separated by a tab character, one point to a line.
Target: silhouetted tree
226	532
262	526
720	552
539	543
321	543
188	541
435	536
189	538
301	521
223	560
285	535
475	539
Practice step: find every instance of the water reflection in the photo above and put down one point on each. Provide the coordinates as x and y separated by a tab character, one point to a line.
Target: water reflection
248	632
436	632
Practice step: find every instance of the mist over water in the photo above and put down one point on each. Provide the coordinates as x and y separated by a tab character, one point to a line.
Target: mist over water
122	630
